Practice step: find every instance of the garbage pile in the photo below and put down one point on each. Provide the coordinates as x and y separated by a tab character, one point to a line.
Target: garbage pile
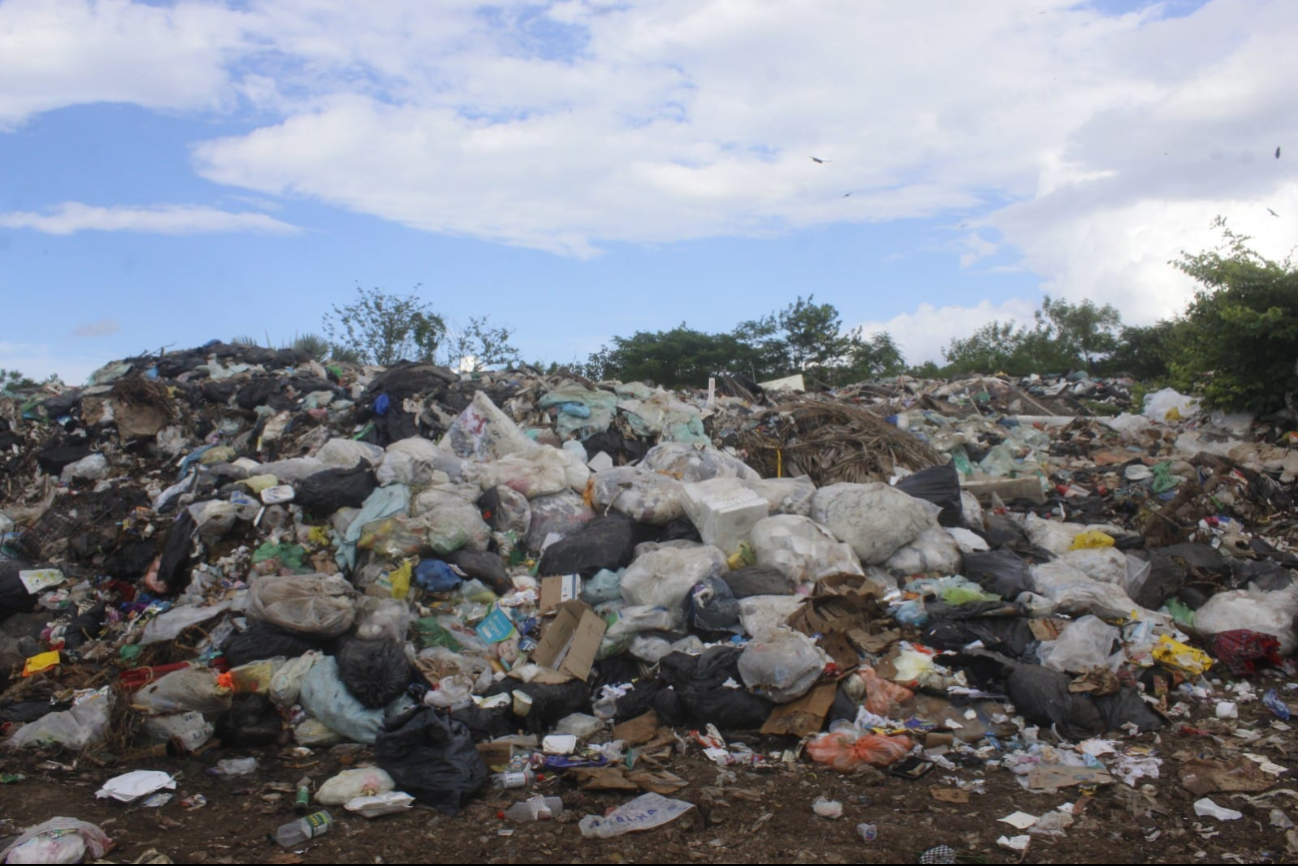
509	573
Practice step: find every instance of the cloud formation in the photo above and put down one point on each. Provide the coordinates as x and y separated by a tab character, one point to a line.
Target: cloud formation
168	219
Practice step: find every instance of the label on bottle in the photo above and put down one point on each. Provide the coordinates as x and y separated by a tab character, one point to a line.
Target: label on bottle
317	823
513	780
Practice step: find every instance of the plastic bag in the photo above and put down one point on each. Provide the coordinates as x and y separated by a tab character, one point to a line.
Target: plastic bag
191	689
758	580
713	607
643	813
1177	656
1086	643
85	724
934	552
1265	612
1169	405
506	511
647	497
559	515
763	615
1052	535
847	751
999	571
382	618
1074	592
58	840
786	495
287	682
604	586
432	758
350	784
1105	564
665	577
326	698
326	492
1091	539
383	503
447	523
540	472
376	672
801	549
782	666
345	453
939	485
662	413
255	677
874	519
314	604
689	464
882	697
601	543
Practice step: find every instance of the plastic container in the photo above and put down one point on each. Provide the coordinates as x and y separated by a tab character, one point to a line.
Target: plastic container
520	779
535	809
304	829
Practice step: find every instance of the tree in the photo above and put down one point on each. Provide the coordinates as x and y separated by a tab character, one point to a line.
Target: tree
478	346
383	329
1063	337
1239	336
1079	331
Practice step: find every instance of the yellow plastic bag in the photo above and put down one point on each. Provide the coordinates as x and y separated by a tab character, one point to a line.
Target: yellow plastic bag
400	580
1181	657
1092	539
40	662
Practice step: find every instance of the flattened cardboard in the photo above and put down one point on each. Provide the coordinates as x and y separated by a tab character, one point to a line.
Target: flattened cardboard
556	590
570	642
496	754
1047	777
637	731
804	716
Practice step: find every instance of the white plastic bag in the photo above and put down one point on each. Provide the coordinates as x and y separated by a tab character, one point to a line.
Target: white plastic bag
801	549
314	604
83	725
287	682
934	552
665	577
783	666
537	473
1105	564
1086	643
58	840
350	784
1267	612
763	615
786	495
690	464
874	519
183	691
641	495
416	462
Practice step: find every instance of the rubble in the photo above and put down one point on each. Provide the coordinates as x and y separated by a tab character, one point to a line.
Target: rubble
237	548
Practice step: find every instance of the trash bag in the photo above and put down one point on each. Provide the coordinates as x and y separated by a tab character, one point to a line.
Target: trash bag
506	511
58	840
559	515
252	720
602	543
782	666
550	701
874	519
1000	571
350	784
605	586
539	472
311	604
1042	696
416	462
85	724
801	549
376	672
665	577
786	495
952	627
14	597
939	485
1240	650
177	555
1086	643
1105	564
327	699
485	566
933	552
434	575
647	497
762	615
188	690
431	757
263	640
448	522
325	492
129	561
1265	612
713	607
847	751
1075	593
1126	707
758	580
342	453
709	690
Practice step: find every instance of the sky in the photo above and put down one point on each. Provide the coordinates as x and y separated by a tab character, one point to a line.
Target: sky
177	172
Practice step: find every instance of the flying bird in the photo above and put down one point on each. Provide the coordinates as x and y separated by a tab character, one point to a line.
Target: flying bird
818	161
1277	153
1273	213
846	194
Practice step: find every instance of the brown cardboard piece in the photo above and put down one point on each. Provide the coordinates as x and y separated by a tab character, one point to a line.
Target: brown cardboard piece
804	716
556	590
637	731
571	641
496	754
1047	777
839	603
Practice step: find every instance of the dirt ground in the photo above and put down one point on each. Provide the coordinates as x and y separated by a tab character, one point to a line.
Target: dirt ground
752	816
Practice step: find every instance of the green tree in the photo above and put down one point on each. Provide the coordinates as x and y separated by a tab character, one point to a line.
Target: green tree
1239	337
382	328
1079	332
478	346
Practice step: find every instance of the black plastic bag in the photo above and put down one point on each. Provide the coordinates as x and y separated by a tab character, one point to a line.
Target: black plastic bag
613	443
550	702
52	460
263	640
1000	571
486	724
713	607
952	627
604	542
486	566
680	529
325	492
939	485
1042	696
252	720
758	580
700	681
84	628
14	597
177	553
131	559
376	672
1125	708
432	758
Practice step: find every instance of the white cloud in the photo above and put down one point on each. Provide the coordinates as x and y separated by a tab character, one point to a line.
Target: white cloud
1092	147
70	217
924	333
101	328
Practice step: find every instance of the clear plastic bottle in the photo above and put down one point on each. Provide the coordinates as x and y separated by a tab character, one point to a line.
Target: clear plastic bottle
518	779
304	829
535	809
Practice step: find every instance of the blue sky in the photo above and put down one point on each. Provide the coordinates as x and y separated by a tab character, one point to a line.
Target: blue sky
177	172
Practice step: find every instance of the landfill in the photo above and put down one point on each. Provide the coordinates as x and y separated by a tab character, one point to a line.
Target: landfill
561	614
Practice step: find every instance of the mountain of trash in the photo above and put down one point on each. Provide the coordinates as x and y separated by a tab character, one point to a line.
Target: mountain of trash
233	546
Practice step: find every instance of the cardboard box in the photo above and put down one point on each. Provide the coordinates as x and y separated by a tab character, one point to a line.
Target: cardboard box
571	641
496	754
556	590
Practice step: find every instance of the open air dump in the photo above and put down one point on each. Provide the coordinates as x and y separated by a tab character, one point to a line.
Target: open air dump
383	615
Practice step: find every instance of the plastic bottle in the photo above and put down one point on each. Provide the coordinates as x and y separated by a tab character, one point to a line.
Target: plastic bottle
535	809
304	829
518	779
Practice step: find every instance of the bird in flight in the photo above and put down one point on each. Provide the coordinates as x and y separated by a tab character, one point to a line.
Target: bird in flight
818	161
1273	213
1277	153
846	194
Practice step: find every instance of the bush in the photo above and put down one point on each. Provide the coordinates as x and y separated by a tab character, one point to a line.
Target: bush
380	328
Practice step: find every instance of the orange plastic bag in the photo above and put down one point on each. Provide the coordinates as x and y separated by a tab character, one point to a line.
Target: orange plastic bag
846	751
882	695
